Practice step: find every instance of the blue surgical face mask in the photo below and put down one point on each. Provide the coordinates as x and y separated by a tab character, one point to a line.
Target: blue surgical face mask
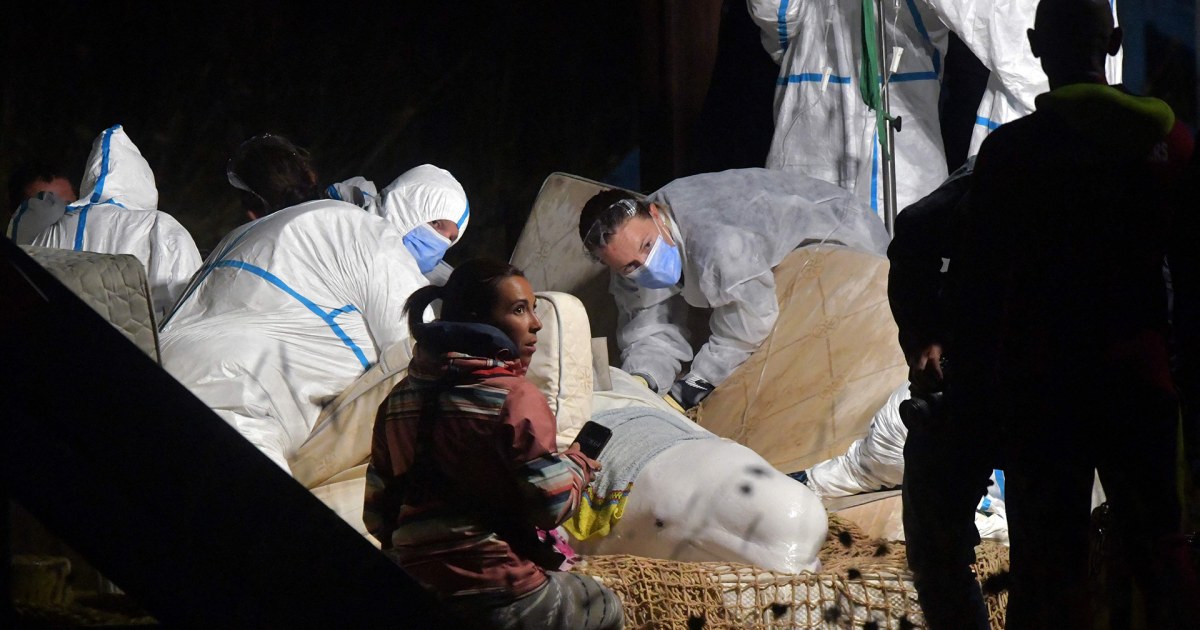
427	245
662	268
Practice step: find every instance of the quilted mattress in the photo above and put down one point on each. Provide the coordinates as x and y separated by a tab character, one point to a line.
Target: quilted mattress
553	258
114	285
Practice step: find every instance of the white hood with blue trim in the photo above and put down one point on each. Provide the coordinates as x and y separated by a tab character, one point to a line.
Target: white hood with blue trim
117	213
116	171
423	194
419	195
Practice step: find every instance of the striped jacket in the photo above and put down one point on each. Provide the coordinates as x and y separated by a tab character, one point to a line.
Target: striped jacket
492	450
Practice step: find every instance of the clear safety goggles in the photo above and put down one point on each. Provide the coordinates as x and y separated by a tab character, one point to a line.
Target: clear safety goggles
627	207
238	182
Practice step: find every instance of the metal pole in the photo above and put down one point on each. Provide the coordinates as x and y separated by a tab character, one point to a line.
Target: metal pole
887	143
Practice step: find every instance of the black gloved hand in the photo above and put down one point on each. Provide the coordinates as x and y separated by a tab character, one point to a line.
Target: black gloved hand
687	392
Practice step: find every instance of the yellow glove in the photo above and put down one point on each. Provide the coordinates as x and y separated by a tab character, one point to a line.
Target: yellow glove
674	404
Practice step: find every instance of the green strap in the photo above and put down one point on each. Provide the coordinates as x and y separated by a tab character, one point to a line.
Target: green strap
870	76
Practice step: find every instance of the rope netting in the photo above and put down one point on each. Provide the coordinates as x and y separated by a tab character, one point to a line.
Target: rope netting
863	583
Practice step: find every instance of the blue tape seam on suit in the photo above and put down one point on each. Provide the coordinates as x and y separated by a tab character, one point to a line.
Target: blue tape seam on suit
328	318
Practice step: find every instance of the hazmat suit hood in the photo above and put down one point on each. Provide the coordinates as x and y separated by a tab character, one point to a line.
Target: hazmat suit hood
116	171
117	213
423	194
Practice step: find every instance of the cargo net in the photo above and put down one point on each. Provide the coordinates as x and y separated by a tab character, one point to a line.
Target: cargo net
864	583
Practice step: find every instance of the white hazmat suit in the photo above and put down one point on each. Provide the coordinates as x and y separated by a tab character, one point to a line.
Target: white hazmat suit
117	213
995	32
823	128
732	229
285	314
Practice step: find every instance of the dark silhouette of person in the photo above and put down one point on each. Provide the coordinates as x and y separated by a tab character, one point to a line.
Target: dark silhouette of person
1059	321
946	458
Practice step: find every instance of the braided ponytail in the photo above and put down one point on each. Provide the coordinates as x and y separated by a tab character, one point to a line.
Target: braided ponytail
415	305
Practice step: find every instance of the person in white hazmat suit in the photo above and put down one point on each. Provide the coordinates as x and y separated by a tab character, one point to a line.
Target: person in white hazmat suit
711	241
276	174
290	309
421	192
116	214
823	128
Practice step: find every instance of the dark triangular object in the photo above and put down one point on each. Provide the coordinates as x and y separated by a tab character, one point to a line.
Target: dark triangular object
124	464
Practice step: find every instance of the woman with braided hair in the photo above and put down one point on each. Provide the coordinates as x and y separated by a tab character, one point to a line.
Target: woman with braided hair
464	479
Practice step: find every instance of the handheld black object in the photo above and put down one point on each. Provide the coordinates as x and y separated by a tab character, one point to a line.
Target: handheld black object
592	438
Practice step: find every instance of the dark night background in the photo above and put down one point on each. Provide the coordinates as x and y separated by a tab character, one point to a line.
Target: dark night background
632	92
499	93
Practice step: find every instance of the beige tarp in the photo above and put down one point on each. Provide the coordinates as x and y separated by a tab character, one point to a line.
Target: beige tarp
830	363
